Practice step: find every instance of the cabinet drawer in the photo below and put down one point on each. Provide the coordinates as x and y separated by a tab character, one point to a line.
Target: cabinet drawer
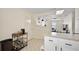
49	44
50	39
70	44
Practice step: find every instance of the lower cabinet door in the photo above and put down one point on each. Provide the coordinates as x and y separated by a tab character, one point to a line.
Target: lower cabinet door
58	44
67	45
50	47
49	44
68	49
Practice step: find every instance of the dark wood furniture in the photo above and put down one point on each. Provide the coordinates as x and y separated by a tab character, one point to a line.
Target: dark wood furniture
14	45
6	45
20	40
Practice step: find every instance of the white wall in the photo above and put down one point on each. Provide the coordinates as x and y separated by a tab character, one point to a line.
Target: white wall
68	20
12	20
59	26
77	20
38	32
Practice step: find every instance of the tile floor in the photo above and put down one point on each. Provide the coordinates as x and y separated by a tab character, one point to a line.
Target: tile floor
33	45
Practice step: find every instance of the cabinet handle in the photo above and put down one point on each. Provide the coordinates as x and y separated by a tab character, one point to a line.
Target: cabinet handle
50	40
55	48
68	44
61	49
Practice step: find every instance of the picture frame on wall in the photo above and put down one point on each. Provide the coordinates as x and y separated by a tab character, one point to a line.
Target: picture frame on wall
41	20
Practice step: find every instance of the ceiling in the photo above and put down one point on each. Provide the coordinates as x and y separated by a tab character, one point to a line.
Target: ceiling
39	10
44	10
66	11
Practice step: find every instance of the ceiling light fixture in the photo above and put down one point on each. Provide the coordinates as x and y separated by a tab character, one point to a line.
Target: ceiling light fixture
59	12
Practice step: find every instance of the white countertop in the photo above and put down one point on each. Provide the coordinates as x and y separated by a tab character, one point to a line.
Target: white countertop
68	36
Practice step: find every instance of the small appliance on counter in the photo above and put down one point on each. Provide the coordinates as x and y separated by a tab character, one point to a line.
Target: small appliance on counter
65	28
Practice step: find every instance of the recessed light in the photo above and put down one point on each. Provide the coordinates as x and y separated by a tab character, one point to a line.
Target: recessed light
59	12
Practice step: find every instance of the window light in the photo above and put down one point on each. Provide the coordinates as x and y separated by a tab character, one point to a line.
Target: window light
59	12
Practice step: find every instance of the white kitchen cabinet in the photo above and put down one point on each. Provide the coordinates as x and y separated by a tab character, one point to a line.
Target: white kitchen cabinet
66	46
59	44
50	44
69	45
